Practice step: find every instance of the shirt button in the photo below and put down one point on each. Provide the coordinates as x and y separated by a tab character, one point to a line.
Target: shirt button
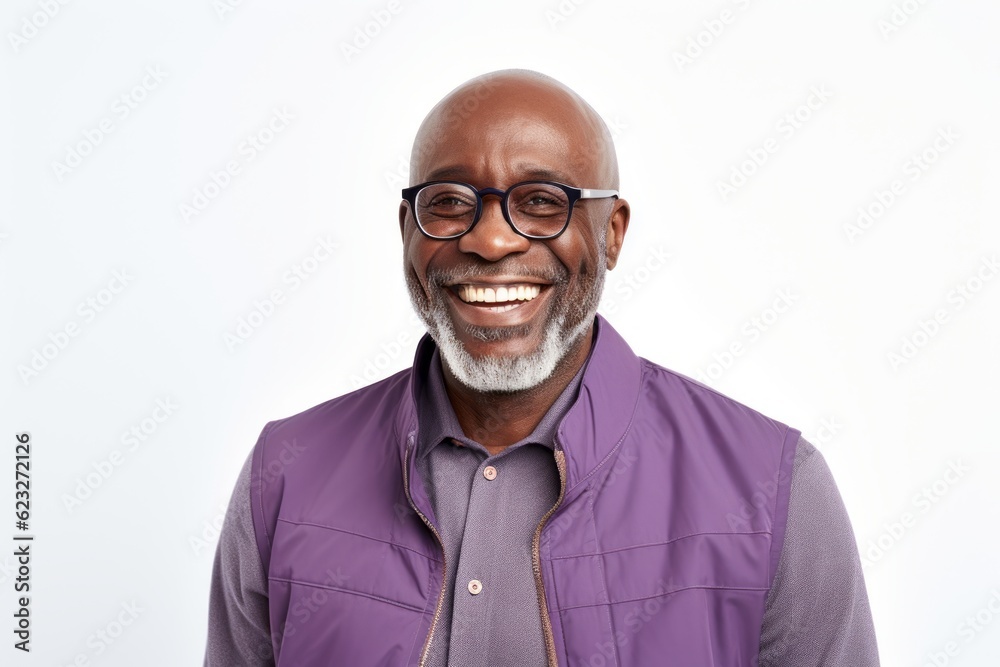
490	473
475	587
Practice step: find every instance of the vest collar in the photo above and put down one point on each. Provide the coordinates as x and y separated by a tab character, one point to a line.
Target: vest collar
592	428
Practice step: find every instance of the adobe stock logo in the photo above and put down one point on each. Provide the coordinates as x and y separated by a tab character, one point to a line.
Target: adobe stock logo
913	169
123	106
751	331
218	180
562	12
103	469
699	43
622	287
971	627
105	636
88	309
787	127
929	328
923	502
363	35
223	7
30	25
264	308
898	17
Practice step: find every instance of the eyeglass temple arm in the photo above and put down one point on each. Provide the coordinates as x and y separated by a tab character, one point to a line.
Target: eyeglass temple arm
586	193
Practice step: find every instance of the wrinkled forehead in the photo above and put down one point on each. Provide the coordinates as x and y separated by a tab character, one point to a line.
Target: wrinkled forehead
514	121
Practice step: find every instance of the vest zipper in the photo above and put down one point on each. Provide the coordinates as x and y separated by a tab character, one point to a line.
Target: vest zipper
444	557
536	563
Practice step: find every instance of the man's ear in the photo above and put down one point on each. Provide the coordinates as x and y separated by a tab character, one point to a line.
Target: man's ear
617	226
404	206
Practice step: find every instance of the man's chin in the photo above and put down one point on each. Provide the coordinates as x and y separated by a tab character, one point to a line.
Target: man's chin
509	341
507	361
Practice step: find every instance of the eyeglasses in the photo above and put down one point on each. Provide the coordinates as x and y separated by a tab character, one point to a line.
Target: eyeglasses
533	209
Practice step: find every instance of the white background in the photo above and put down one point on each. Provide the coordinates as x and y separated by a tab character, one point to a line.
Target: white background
146	534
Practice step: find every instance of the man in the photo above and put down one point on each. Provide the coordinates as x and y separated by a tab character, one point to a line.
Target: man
530	492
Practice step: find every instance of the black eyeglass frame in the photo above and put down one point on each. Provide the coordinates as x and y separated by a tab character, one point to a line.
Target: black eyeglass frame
572	196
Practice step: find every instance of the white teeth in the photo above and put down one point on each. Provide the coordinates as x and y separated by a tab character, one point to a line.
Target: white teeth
505	294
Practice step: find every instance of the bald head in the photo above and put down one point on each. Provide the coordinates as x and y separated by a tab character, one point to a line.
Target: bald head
535	106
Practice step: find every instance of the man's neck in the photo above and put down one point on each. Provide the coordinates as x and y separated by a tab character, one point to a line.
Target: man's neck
498	420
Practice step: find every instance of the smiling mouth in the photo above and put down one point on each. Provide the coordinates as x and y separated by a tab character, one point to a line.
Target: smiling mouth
498	298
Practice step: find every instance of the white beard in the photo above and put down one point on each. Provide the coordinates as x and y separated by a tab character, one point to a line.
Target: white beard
506	374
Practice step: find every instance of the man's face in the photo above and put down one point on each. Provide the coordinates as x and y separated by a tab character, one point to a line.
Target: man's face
553	286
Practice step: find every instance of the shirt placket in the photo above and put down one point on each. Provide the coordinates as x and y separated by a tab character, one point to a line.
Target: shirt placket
474	587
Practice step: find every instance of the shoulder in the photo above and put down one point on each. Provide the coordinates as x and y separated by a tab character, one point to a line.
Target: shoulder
679	397
372	406
357	429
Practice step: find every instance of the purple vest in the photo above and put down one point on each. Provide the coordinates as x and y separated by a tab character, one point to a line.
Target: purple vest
661	549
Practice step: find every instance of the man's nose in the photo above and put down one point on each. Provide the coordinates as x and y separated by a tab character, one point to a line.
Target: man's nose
493	238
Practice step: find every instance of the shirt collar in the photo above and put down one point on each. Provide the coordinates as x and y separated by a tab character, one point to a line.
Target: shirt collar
438	421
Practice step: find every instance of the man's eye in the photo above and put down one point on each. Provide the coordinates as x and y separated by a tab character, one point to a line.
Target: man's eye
539	203
449	205
542	200
450	201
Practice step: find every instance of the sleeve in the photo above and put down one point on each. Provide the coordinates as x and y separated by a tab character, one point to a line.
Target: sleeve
238	616
817	610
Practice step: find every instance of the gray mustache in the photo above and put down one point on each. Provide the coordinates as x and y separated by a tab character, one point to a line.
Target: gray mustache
438	277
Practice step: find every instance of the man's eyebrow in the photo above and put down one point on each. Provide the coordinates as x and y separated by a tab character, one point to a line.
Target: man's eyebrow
447	173
542	174
524	173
